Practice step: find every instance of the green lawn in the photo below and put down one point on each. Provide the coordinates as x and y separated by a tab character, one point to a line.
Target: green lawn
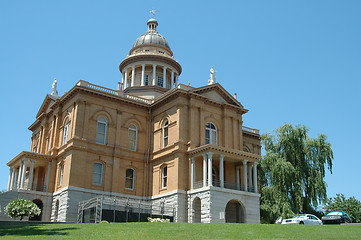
176	231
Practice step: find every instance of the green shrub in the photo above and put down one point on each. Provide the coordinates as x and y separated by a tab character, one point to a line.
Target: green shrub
22	208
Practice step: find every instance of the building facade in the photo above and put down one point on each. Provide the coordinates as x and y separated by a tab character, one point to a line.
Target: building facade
152	140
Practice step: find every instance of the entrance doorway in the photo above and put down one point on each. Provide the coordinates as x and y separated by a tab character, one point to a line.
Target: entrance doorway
235	212
38	203
196	210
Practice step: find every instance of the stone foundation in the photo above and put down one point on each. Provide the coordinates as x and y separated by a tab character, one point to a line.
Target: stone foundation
214	201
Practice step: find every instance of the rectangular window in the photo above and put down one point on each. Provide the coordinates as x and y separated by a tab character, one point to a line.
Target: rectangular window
97	173
208	141
101	130
65	131
164	177
129	179
61	174
146	80
160	81
132	137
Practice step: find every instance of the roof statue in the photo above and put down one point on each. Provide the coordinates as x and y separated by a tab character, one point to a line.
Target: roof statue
54	92
212	79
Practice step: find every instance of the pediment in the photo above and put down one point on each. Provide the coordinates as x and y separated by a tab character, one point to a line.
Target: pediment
47	103
217	93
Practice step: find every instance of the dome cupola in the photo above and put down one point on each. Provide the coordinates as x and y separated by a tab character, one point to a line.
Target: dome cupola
150	65
151	36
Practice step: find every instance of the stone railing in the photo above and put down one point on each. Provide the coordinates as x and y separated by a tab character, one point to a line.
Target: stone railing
113	92
139	99
228	185
250	130
96	87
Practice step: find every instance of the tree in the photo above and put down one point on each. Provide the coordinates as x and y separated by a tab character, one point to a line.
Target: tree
351	206
291	174
22	208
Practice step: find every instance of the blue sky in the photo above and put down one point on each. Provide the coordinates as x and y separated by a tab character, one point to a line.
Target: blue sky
289	61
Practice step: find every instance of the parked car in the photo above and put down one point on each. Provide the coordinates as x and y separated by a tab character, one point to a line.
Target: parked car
336	217
303	219
279	220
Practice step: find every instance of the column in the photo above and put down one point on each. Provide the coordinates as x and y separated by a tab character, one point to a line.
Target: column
133	76
18	185
12	178
23	174
154	73
221	170
210	180
9	180
123	76
176	79
250	177
16	179
31	174
245	175
255	187
237	178
204	169
143	69
172	80
164	77
193	172
126	79
47	178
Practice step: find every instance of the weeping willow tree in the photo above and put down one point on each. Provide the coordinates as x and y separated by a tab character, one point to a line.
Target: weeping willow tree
291	174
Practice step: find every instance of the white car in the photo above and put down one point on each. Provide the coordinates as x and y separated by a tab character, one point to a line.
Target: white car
303	219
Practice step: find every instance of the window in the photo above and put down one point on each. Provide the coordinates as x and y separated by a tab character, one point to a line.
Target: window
61	174
211	134
160	81
129	178
97	173
101	130
65	131
56	213
146	80
165	133
132	137
164	177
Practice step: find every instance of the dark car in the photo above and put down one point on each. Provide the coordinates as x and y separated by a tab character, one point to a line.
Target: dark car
336	217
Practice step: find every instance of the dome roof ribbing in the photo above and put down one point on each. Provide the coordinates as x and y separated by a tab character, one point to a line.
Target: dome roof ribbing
151	36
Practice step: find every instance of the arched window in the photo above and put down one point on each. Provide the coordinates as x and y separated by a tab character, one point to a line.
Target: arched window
101	130
211	134
66	131
132	137
165	133
164	177
97	173
129	178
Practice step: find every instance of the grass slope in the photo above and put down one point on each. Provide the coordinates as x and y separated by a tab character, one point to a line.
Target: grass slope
176	231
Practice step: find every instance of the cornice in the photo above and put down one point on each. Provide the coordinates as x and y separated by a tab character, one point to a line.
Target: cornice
144	57
222	150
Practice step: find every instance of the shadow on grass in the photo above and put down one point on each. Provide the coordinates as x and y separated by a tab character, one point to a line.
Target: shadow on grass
31	229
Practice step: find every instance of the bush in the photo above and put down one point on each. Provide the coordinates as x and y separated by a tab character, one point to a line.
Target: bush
158	220
22	208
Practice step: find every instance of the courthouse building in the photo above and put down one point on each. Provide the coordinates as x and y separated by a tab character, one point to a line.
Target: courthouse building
152	141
